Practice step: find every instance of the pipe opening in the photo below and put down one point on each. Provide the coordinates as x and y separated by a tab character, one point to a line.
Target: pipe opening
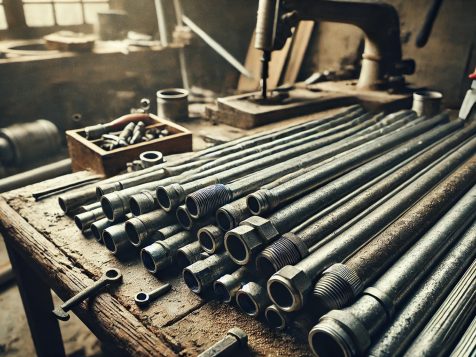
96	232
275	319
134	207
183	218
324	344
181	259
246	303
163	198
112	273
224	221
142	297
206	241
108	241
147	260
132	233
253	205
62	204
78	223
107	208
192	206
281	294
191	281
221	292
236	248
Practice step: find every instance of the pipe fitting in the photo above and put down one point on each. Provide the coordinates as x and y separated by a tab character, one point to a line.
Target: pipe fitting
201	275
170	196
275	318
288	288
242	243
189	254
143	202
338	287
114	206
84	220
141	229
184	218
210	238
116	240
231	215
252	299
99	226
161	254
207	200
225	288
106	188
166	232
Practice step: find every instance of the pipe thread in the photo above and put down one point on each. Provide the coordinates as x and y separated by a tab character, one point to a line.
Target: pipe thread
337	287
277	255
207	200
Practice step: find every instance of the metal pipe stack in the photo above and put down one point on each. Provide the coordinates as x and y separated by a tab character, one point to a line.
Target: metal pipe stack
359	229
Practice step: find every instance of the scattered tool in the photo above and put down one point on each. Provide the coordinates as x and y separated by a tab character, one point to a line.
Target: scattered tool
234	343
143	299
468	109
109	277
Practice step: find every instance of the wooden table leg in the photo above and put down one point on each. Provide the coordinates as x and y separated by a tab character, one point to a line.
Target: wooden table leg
38	304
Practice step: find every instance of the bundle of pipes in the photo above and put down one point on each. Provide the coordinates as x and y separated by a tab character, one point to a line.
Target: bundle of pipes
354	212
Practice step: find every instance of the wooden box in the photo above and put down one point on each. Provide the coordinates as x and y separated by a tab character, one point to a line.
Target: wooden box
88	155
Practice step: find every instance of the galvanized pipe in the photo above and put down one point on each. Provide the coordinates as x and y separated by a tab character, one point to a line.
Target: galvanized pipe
289	295
411	319
230	215
208	199
143	202
160	254
467	344
341	283
116	240
290	160
225	287
442	331
242	242
189	254
351	329
99	226
200	275
166	232
141	229
252	298
210	238
327	224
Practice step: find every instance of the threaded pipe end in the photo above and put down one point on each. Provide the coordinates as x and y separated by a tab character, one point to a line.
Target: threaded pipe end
338	287
207	200
257	202
277	255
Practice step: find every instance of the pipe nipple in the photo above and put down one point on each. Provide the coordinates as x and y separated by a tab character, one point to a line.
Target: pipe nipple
207	200
171	196
184	218
143	202
136	231
338	287
155	257
275	318
277	255
210	238
113	207
329	339
259	202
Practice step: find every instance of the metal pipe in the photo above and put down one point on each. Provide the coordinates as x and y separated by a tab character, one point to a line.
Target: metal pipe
116	240
30	177
166	232
341	283
467	344
200	275
327	224
450	319
143	202
141	229
411	319
171	196
289	287
84	220
235	343
230	215
225	287
210	238
351	329
246	241
189	254
89	207
252	298
98	227
160	254
275	318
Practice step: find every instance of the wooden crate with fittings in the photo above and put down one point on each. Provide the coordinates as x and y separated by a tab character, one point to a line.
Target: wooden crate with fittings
88	155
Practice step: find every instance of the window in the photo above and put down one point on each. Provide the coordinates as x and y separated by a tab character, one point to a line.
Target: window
41	13
3	20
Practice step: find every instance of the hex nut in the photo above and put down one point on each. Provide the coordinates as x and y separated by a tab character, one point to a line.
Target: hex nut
263	227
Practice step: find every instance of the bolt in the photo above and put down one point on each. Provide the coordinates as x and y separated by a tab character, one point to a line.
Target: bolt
143	299
233	344
109	277
137	133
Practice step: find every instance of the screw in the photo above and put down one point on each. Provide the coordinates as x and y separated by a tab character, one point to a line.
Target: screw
110	276
143	299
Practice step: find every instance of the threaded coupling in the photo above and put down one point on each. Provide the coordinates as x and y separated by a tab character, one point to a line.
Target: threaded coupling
143	202
338	287
207	200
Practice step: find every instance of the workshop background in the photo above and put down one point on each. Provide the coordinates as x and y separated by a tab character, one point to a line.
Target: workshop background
74	92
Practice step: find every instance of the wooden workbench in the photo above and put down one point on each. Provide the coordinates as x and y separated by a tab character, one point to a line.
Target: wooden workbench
47	251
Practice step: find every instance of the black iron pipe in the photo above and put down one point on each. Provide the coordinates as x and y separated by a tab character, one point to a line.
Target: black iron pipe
189	254
290	296
225	287
210	238
141	229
